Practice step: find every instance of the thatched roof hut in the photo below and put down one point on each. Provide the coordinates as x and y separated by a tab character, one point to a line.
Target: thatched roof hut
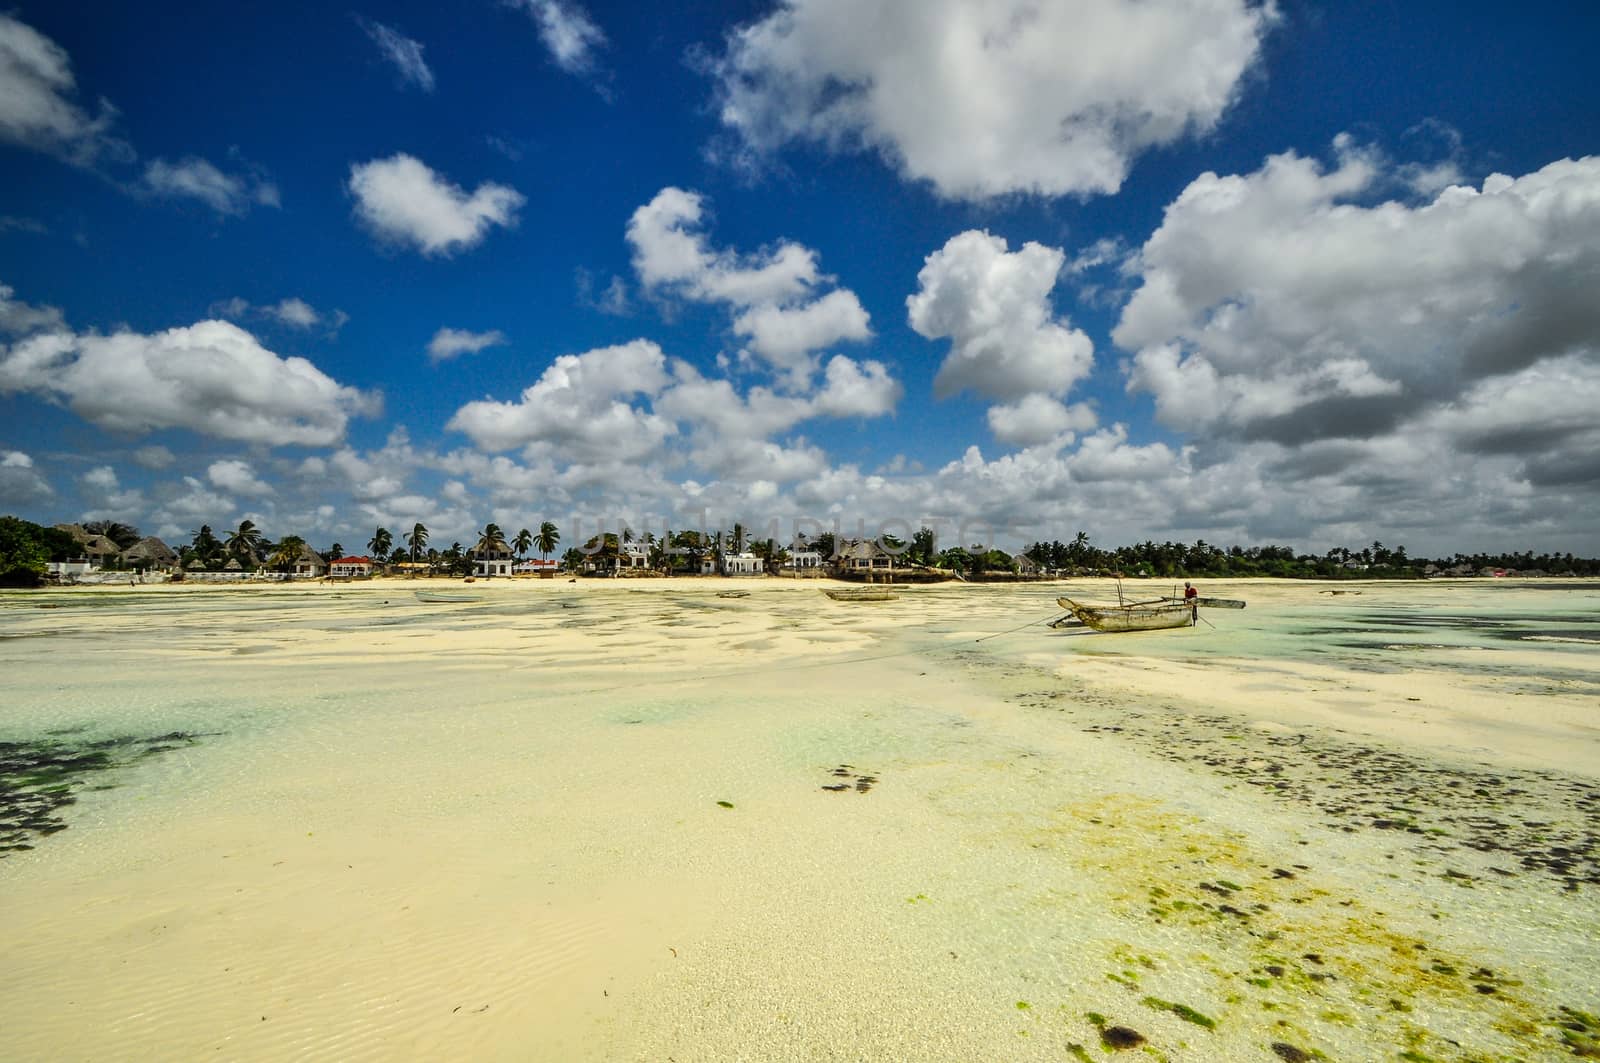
233	565
148	553
308	562
98	546
862	555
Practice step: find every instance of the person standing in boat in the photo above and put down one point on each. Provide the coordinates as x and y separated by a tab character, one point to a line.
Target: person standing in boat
1190	598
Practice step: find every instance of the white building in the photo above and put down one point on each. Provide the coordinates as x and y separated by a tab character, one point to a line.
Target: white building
743	564
491	561
351	567
803	562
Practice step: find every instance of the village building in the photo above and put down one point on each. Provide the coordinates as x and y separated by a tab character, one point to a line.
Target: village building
863	558
536	566
742	564
92	554
149	555
492	562
351	567
308	565
802	563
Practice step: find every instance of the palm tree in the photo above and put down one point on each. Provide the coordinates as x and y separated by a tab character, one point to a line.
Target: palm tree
1079	549
205	545
549	538
491	545
380	543
418	541
287	553
523	543
245	543
124	535
491	539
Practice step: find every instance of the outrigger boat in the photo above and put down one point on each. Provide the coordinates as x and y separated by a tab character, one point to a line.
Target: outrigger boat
1209	603
862	594
1154	615
1135	616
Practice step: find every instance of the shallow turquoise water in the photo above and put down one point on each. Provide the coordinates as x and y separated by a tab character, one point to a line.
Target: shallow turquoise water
494	761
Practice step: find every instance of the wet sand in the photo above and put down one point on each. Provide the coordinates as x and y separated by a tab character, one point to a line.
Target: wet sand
631	820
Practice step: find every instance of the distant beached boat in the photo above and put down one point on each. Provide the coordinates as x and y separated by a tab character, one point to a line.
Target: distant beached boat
447	596
1213	603
733	594
862	594
1135	616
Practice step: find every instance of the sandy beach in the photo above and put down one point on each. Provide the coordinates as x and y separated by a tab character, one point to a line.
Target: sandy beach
630	819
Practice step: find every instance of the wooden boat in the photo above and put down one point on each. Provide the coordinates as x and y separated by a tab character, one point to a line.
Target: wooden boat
862	594
733	594
1212	603
1135	616
446	596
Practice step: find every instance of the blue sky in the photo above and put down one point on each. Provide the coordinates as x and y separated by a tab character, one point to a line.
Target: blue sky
1293	273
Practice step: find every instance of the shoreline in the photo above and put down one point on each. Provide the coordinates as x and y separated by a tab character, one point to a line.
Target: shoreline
1104	585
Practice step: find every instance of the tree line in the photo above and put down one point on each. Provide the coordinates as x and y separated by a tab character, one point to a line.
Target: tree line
25	549
1170	559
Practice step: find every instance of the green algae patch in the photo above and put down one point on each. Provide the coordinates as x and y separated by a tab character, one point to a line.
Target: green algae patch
40	779
1579	1032
724	804
1297	950
1182	1011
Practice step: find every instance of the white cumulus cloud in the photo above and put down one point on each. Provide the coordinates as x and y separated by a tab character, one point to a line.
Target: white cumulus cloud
18	318
775	293
579	403
37	109
670	252
211	377
984	99
449	343
785	336
1036	419
20	483
238	477
1286	304
405	202
994	307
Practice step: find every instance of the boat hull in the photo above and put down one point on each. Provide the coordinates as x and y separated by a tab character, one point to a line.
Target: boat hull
862	594
1212	603
1144	617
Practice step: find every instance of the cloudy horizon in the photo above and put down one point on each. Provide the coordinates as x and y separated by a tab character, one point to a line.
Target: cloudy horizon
1226	270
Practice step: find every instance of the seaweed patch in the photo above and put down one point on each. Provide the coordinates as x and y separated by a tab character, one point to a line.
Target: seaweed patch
845	778
40	779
